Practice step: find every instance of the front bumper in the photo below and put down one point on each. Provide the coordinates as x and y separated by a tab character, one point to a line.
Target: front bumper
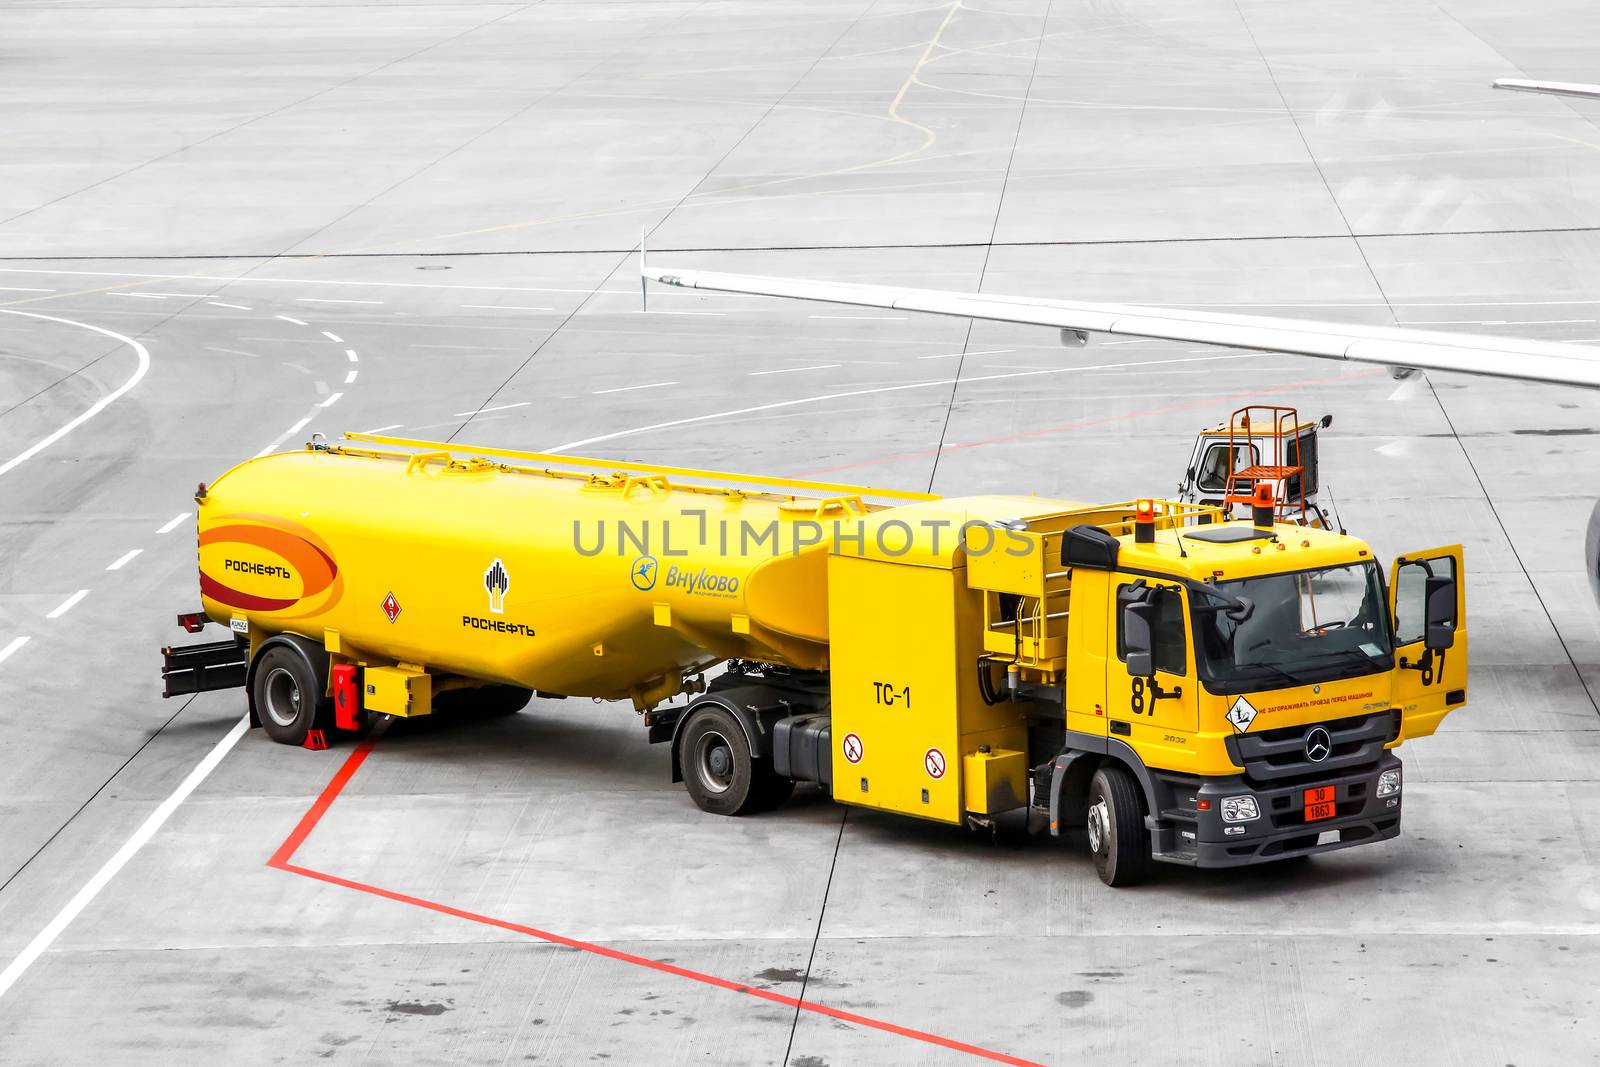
1186	834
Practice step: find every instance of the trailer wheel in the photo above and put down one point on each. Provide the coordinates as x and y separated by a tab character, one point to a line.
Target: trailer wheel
1117	837
504	699
288	698
718	769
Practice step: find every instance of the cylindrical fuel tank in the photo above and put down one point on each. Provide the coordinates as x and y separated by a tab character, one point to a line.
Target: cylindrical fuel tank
566	582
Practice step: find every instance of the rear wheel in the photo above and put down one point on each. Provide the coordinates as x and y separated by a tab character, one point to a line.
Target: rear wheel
1117	837
288	697
717	766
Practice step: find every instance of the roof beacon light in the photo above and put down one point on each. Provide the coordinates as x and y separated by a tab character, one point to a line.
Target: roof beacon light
1261	506
1144	522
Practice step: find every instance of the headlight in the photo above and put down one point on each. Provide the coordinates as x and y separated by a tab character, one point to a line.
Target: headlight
1389	783
1239	809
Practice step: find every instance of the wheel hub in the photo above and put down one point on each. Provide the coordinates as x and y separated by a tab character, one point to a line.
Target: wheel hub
1099	824
714	762
283	698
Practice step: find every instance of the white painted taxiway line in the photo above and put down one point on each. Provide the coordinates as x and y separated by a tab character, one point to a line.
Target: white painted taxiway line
793	370
350	354
297	322
497	407
334	399
348	378
335	338
24	289
236	307
631	388
52	930
953	355
124	559
67	604
503	307
972	380
94	409
12	645
290	432
172	523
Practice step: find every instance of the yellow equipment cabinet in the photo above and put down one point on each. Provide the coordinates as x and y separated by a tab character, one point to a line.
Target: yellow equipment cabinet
1185	687
906	634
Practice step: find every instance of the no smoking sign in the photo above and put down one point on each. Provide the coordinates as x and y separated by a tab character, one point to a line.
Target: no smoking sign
853	748
933	763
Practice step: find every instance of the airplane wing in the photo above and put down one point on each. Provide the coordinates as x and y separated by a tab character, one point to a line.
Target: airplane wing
1521	85
1393	346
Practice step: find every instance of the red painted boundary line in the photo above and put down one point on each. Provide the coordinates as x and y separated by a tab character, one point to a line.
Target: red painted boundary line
1085	424
281	861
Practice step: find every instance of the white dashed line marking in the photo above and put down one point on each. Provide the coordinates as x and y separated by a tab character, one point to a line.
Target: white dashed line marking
334	399
290	432
139	296
793	370
220	304
335	338
350	354
331	300
124	559
11	646
67	604
480	411
23	289
172	523
494	307
286	318
631	388
348	378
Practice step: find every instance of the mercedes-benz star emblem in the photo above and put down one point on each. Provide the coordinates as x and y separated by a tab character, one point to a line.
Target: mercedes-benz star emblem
1318	744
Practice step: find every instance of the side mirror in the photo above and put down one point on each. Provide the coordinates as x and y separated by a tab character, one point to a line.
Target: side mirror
1440	631
1327	420
1136	638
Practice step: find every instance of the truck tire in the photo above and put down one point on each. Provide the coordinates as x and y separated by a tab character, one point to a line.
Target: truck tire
288	697
718	770
1117	837
504	699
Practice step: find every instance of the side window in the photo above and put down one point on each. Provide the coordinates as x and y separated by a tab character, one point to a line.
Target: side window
1171	648
1410	604
1212	477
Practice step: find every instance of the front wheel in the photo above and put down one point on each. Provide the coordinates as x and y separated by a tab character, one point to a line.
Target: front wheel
1117	836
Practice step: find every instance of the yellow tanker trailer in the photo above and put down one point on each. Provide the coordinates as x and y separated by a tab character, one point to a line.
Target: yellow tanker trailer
1205	692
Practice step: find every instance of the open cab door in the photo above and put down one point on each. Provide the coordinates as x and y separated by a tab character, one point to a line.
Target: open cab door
1427	603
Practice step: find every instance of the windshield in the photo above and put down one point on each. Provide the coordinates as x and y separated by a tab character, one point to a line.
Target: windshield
1305	627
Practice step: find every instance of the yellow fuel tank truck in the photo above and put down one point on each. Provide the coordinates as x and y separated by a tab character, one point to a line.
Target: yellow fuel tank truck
1187	688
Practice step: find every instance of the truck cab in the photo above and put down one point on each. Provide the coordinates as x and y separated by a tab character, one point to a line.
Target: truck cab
1256	678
